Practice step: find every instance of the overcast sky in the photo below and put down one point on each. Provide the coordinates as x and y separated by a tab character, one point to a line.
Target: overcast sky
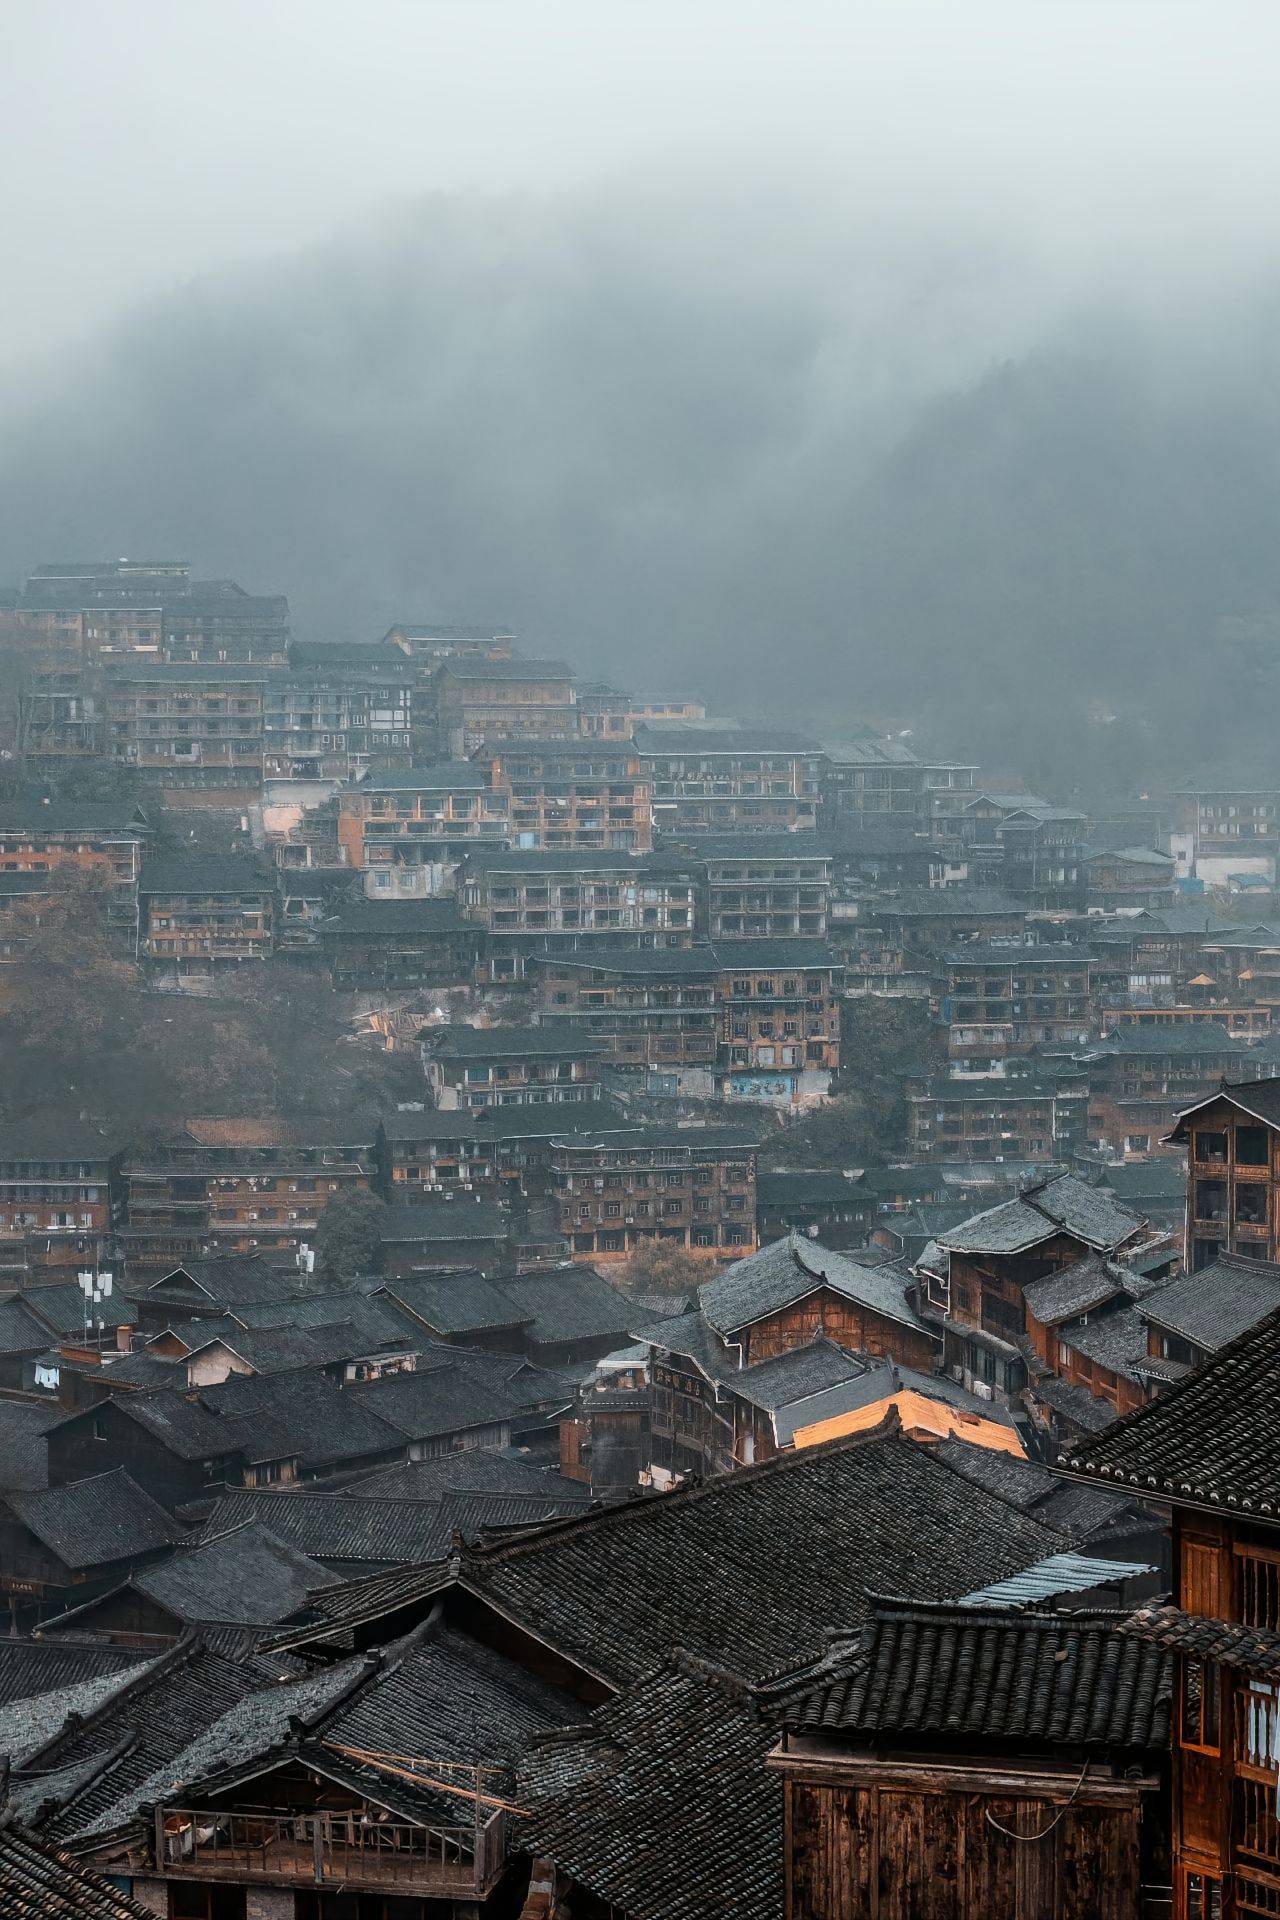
144	142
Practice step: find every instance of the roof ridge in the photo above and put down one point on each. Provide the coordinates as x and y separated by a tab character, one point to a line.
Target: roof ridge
692	1489
180	1654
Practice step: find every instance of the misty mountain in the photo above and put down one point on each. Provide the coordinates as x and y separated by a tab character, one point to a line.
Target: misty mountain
718	444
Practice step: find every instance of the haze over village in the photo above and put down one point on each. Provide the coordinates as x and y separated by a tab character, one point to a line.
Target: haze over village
639	962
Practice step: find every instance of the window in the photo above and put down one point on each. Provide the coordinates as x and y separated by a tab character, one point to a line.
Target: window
1203	1897
1251	1146
1251	1203
1211	1199
1200	1702
1211	1148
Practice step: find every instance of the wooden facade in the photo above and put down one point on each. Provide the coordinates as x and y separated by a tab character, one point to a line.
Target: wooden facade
571	794
868	1839
1233	1187
614	1198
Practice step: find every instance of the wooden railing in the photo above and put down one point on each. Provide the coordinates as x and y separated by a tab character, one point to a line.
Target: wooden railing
316	1849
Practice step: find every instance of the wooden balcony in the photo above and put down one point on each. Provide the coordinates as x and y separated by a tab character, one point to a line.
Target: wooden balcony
343	1850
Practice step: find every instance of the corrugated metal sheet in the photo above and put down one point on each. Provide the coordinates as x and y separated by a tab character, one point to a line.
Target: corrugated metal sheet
1060	1573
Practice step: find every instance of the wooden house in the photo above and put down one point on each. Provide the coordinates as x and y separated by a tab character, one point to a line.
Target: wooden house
579	793
1233	1188
952	1763
481	1067
691	1187
993	1257
63	1543
1207	1451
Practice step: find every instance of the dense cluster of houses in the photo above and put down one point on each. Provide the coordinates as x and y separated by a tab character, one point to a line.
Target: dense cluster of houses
904	1546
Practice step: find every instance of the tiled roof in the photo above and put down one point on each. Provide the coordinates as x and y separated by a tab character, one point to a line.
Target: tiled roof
24	1458
62	1308
790	1377
1115	1338
473	1470
228	875
86	1772
330	1527
89	1523
40	1882
1075	1405
437	1400
504	1043
1064	1204
871	1385
236	1726
745	1570
29	1668
441	1220
956	1675
456	1302
1211	1440
1258	1098
229	1280
661	1805
1219	1302
29	1723
263	1417
246	1577
564	1304
786	1271
1072	1290
1254	1650
1143	1180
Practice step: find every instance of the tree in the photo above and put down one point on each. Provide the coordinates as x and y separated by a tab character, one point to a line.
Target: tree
349	1236
71	1018
664	1266
884	1044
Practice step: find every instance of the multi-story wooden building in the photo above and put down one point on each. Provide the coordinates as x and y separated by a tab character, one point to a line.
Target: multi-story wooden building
480	699
1128	877
1233	1187
569	794
405	828
399	943
203	914
189	726
1244	964
603	712
687	1186
504	1153
731	1376
39	836
753	780
956	1762
522	899
1225	831
1026	1116
764	886
332	722
653	1009
216	623
476	1068
1043	855
60	1198
242	1186
269	1180
1207	1451
779	1004
1009	998
1141	1078
992	1258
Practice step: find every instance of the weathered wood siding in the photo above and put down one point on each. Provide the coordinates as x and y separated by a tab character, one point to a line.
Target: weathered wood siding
896	1853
